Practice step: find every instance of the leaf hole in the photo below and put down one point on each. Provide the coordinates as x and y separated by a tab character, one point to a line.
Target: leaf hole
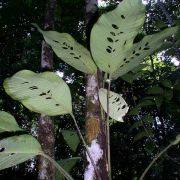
139	48
108	50
71	48
71	53
122	65
115	26
109	66
56	41
116	40
57	104
146	44
132	57
122	16
33	87
25	83
127	61
42	94
109	39
137	54
2	149
123	106
109	47
146	48
113	33
64	47
48	98
125	42
134	52
76	57
124	59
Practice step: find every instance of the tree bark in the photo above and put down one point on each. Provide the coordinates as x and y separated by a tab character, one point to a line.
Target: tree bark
95	125
46	170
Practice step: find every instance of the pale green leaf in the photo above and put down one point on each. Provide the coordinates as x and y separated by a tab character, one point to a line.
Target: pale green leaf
67	165
8	122
69	50
112	39
117	105
17	149
71	138
44	93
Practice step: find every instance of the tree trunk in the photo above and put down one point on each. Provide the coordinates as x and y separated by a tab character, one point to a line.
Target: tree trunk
46	170
95	125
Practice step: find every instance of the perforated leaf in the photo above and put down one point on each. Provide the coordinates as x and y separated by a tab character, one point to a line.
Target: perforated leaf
112	39
44	93
69	50
17	149
71	138
117	105
8	122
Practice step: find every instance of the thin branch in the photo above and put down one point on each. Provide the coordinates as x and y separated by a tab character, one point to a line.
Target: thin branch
59	168
157	156
85	145
108	130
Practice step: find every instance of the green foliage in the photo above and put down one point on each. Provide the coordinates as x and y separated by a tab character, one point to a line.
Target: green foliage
112	39
142	134
17	149
145	120
67	164
71	138
45	93
155	90
8	122
69	50
117	105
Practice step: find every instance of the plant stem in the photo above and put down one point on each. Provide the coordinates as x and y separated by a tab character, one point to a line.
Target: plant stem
108	131
85	145
157	156
60	169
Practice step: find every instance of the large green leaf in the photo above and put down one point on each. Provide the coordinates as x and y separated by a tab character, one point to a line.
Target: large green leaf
117	105
17	149
67	164
45	93
112	39
8	122
69	50
71	138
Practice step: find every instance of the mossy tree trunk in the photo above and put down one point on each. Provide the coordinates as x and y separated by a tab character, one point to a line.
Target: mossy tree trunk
46	170
95	124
